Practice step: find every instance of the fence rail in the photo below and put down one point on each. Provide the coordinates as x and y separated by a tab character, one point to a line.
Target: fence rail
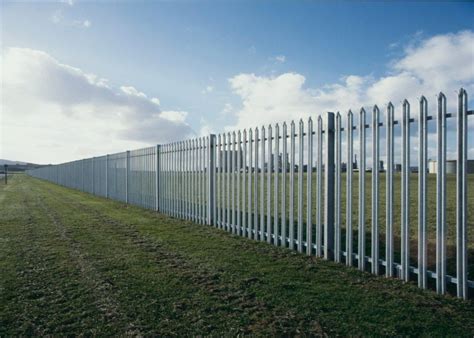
289	186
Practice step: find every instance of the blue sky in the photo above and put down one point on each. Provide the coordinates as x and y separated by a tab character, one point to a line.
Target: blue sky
186	53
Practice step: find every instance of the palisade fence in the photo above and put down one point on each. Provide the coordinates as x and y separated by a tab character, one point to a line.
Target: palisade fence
298	186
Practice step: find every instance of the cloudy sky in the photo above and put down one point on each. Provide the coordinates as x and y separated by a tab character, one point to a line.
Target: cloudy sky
86	78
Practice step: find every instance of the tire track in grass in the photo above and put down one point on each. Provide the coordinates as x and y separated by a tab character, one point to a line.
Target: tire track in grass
235	301
35	303
105	299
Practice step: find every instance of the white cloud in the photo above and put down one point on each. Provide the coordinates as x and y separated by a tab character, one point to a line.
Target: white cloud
129	90
81	23
207	90
59	19
228	108
69	2
57	16
441	63
55	112
279	59
177	116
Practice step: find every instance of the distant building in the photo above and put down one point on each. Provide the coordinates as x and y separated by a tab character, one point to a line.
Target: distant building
279	166
230	158
450	167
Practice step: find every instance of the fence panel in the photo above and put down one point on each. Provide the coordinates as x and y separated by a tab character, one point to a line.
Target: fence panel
289	186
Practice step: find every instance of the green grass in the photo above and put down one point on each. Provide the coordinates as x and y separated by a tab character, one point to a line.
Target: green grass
413	212
71	263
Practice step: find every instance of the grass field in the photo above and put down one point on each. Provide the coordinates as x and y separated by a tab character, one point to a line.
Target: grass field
413	212
72	263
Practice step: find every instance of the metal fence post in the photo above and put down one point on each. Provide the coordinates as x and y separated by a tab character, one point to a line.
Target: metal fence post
127	170
107	176
461	197
157	178
211	177
93	176
329	188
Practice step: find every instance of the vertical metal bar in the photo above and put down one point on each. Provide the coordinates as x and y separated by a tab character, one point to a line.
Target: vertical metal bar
162	188
441	197
238	173
192	190
203	176
422	162
232	190
309	190
191	180
329	188
262	189
198	180
127	170
184	188
389	193
93	176
269	185
202	180
227	169
157	178
178	179
461	196
249	192
300	185
405	204
211	180
361	260
292	187
319	189
166	178
172	189
220	185
169	179
82	174
188	180
349	170
284	170
244	186
375	190
106	176
337	186
255	187
276	170
175	179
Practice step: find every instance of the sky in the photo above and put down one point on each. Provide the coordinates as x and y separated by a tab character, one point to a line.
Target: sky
87	78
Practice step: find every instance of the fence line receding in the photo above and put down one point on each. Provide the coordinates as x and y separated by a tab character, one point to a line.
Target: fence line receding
328	187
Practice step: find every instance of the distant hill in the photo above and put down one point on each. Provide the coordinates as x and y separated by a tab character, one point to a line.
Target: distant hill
2	162
18	165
